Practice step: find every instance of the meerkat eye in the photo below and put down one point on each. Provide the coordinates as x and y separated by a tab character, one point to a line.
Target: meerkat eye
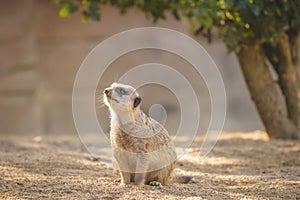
122	91
137	101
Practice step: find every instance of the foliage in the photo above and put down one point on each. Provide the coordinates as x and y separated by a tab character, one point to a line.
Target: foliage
264	34
236	20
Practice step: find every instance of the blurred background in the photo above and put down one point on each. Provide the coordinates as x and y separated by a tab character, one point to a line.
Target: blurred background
40	54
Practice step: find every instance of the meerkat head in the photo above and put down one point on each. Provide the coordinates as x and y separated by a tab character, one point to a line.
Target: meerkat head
119	98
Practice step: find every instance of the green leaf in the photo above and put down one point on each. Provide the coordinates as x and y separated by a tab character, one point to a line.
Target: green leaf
84	17
64	10
67	9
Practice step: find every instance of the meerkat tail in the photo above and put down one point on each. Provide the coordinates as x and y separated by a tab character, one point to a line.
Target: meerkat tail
180	179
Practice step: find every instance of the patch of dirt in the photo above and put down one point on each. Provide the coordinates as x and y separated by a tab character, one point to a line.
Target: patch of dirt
241	166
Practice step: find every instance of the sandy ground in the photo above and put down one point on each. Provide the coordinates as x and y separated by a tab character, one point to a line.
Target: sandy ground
241	166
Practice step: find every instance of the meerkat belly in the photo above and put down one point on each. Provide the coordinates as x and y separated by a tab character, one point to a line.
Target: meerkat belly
162	158
127	148
127	161
124	160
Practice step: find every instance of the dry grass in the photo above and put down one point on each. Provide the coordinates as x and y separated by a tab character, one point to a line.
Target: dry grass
241	166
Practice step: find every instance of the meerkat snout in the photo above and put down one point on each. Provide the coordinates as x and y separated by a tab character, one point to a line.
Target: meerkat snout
107	91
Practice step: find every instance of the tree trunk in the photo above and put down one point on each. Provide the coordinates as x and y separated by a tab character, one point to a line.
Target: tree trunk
265	93
288	79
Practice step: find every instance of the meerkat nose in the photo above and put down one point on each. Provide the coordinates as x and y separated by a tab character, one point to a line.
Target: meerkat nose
107	91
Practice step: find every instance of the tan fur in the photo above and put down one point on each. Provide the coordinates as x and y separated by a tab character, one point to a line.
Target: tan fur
142	149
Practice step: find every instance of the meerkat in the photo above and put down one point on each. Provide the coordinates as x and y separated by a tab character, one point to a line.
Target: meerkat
142	149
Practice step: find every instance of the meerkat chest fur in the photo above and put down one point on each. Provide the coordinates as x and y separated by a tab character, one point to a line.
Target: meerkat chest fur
139	135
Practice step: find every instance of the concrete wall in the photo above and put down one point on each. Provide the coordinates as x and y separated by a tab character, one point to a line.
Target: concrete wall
40	54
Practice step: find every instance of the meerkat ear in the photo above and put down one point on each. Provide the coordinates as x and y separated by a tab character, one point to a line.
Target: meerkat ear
137	101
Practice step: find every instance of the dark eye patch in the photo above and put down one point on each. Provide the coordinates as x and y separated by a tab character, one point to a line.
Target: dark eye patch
137	101
121	91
